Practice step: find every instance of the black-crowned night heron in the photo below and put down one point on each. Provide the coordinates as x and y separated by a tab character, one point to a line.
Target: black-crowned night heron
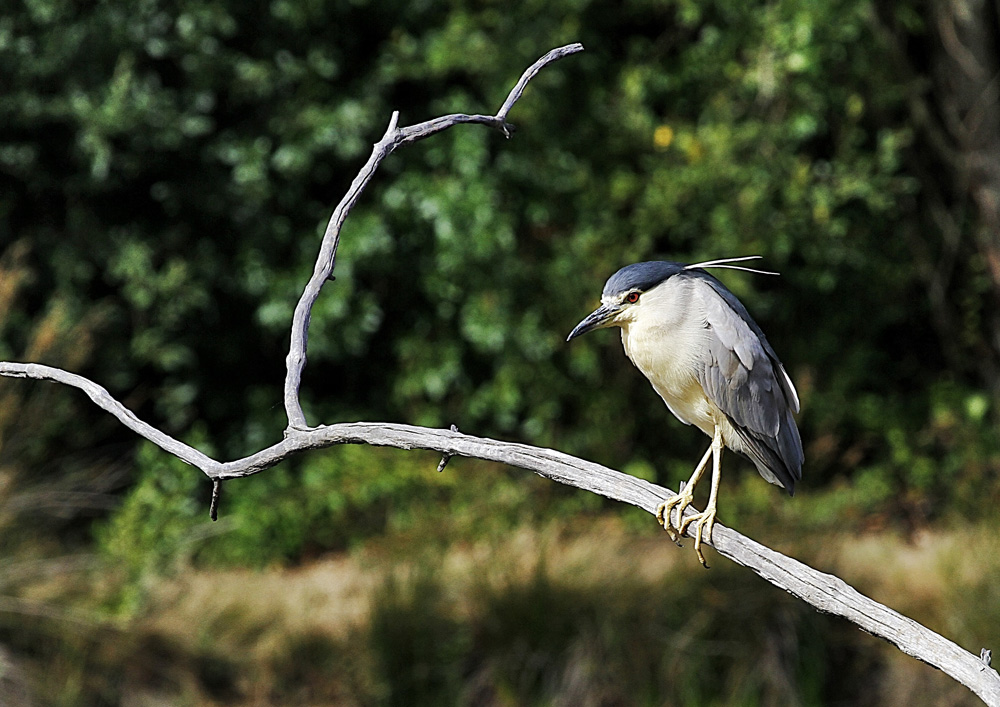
712	365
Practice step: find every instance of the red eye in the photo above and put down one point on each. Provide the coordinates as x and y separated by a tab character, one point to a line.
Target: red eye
632	297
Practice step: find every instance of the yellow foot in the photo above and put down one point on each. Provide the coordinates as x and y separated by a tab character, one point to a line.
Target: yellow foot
704	521
681	501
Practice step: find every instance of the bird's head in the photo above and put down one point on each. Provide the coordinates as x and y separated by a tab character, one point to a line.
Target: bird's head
621	301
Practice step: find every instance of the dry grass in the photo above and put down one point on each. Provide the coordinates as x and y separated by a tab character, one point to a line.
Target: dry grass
332	596
259	615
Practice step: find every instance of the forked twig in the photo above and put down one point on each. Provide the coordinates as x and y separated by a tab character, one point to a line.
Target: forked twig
393	138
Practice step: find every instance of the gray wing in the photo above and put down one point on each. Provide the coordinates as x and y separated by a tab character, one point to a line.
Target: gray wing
742	375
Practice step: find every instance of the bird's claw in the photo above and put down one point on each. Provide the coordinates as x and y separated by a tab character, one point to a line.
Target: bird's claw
679	501
663	518
704	522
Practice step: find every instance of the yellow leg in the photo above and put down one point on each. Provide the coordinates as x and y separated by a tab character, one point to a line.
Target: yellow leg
706	519
681	501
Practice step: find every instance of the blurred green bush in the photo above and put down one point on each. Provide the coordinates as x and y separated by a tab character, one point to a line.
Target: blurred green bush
166	171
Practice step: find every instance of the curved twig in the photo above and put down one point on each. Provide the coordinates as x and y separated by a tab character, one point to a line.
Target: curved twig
393	138
102	398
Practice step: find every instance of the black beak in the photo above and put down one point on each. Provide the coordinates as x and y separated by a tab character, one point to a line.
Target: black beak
599	318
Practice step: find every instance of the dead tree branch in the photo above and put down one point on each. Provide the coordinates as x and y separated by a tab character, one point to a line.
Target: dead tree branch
825	592
393	138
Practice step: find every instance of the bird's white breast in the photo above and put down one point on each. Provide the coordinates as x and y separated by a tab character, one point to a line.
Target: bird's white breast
664	342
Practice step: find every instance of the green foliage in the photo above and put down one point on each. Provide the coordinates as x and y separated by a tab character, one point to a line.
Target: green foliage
170	168
187	158
331	501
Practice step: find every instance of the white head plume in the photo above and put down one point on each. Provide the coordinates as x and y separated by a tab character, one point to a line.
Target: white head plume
723	263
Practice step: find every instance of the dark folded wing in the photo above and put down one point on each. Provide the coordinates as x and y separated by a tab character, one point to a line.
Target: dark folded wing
743	376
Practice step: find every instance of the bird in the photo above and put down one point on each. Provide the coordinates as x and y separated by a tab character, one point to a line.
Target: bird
712	365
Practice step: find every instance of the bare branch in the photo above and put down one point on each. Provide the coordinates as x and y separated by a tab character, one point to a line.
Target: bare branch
102	398
394	137
445	458
529	74
213	510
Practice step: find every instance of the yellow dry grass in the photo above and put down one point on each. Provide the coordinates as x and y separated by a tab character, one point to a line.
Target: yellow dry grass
334	595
